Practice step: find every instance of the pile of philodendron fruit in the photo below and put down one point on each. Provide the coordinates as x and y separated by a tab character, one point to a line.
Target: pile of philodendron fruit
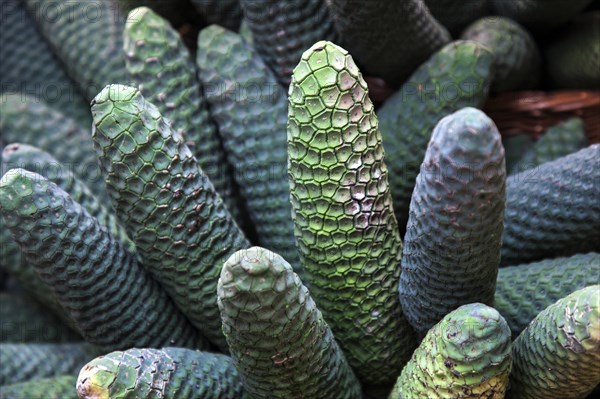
295	199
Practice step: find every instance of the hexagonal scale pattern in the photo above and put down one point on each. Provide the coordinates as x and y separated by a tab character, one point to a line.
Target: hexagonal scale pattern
251	111
557	355
452	243
279	341
466	355
553	210
99	284
523	291
389	40
86	37
457	76
158	61
165	373
35	160
180	225
283	30
345	228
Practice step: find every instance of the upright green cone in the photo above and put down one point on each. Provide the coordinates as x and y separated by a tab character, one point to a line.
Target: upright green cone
180	225
158	61
175	372
279	341
345	228
557	355
452	243
113	301
466	355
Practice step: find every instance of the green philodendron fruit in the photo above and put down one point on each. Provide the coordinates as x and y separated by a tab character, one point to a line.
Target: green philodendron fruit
169	373
181	228
452	243
279	341
557	355
346	232
466	355
101	285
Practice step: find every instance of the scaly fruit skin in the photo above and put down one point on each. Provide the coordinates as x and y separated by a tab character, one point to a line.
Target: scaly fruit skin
35	160
557	355
345	228
87	37
558	141
25	320
29	121
227	13
157	59
28	65
457	76
539	14
553	210
389	40
174	373
456	15
113	301
517	62
283	30
573	58
180	225
452	243
62	387
253	131
466	355
23	362
523	291
279	341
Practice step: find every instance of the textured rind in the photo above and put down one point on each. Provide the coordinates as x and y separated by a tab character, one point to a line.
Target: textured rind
23	362
22	319
457	76
557	355
28	65
466	355
283	30
180	225
24	119
553	210
158	61
62	387
452	243
573	57
174	373
113	301
456	15
558	141
279	341
518	62
87	37
539	14
227	13
35	160
388	39
523	291
253	131
346	232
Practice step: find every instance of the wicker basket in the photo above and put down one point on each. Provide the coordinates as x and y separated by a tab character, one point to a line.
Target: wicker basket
532	112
